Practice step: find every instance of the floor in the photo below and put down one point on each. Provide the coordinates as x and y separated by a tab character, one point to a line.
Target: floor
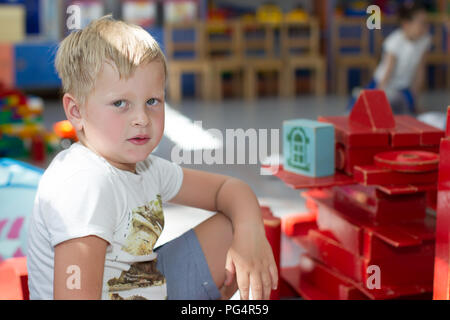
267	113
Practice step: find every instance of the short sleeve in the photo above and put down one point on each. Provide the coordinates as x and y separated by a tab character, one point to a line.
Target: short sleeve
170	178
84	204
393	43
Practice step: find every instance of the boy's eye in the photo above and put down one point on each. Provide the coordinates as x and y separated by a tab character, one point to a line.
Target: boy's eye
120	104
152	101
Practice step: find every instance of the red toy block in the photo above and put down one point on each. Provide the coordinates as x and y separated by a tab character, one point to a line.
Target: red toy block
442	259
14	279
374	175
348	158
397	270
297	181
38	152
372	110
349	230
429	135
402	136
348	234
410	161
320	283
298	224
354	135
407	189
367	203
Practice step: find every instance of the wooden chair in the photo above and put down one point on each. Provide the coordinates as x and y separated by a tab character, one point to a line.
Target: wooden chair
361	58
223	43
186	55
300	50
438	54
257	50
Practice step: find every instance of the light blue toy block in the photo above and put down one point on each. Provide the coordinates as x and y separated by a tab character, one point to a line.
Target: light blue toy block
308	147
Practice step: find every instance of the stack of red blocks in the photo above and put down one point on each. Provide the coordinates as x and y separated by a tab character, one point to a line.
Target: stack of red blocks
373	236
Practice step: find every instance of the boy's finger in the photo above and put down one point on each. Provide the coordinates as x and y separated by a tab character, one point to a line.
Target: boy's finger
229	270
274	275
243	283
267	284
256	285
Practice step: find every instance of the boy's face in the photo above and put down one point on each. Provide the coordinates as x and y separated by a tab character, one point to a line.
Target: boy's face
418	26
118	110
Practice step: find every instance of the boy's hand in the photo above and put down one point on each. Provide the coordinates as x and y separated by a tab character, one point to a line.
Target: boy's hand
250	258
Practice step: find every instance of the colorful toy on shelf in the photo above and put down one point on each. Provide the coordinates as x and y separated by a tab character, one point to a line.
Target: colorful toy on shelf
373	237
296	15
21	130
66	132
308	147
269	13
179	11
142	13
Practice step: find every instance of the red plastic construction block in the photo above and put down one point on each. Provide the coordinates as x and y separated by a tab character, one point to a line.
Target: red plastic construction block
429	135
349	157
442	260
396	270
297	181
14	279
372	110
368	203
374	175
402	136
320	283
272	226
350	230
298	224
356	135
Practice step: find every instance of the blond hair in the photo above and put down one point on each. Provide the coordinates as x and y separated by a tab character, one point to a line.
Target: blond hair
82	54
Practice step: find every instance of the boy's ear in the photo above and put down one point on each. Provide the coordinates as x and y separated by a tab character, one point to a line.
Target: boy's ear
72	110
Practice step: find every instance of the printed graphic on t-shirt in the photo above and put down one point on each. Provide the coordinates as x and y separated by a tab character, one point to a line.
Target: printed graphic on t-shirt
147	223
145	227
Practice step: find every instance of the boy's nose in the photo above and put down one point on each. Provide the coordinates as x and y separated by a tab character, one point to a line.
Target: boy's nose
141	118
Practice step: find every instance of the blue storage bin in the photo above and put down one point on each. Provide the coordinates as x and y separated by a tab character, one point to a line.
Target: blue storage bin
35	65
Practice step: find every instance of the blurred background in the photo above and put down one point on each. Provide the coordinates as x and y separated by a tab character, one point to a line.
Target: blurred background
232	64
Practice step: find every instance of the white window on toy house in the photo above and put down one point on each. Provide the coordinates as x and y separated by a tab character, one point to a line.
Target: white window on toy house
298	147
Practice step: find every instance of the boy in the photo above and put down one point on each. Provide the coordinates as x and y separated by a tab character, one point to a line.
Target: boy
98	212
402	69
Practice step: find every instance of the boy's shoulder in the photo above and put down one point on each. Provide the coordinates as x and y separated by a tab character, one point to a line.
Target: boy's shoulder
75	161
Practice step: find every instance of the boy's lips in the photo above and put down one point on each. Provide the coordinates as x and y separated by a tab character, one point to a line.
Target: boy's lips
139	139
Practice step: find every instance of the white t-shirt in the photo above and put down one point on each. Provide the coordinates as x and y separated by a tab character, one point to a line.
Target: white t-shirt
81	194
408	54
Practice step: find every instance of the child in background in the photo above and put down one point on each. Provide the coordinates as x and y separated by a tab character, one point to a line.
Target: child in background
98	209
401	71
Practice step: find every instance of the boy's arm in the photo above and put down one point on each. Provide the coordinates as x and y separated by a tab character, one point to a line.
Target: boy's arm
78	269
390	61
419	79
250	255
